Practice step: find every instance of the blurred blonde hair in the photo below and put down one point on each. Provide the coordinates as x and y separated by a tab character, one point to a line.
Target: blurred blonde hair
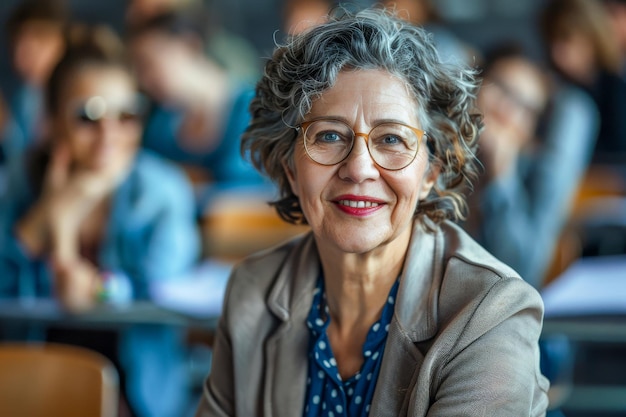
561	17
87	46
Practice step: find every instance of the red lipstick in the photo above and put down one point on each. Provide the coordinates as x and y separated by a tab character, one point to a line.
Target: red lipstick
359	206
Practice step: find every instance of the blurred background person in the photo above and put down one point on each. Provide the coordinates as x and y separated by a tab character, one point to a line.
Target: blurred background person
301	15
87	207
583	48
234	53
535	147
616	10
424	13
199	111
522	201
36	36
138	11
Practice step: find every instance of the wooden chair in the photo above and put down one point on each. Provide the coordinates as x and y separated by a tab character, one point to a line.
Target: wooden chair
50	380
236	225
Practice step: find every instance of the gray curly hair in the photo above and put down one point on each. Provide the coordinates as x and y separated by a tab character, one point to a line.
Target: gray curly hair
308	64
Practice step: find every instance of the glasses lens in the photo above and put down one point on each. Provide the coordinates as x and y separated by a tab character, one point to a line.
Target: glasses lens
125	115
94	109
83	117
328	142
393	145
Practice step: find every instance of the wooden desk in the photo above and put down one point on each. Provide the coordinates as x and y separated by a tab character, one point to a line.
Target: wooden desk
47	311
587	304
588	329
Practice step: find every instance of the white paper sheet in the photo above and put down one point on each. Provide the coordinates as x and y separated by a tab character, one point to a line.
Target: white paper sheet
591	286
200	293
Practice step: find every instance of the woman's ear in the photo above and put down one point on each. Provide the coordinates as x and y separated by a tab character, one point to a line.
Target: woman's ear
291	176
429	180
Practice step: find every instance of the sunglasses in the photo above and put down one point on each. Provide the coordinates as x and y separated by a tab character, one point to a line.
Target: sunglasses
95	109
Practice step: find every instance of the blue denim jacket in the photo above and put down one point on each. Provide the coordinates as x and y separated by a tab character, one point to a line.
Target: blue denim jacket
151	233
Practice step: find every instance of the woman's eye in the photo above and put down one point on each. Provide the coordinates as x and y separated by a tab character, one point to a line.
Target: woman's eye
391	140
128	116
330	137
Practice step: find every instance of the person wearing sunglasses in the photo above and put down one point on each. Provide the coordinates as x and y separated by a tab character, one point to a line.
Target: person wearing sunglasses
386	308
88	207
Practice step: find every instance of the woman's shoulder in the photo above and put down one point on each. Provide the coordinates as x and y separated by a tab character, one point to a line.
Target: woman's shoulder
259	270
462	248
273	279
468	291
473	275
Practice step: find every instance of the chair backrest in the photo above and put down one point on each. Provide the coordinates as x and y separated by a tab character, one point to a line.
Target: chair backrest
56	380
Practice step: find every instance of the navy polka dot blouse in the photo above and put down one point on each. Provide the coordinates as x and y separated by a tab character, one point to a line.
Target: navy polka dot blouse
327	394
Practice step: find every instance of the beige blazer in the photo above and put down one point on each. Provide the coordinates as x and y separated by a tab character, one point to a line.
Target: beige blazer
462	341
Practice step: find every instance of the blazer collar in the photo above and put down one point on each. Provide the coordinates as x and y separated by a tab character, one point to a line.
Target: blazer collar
290	300
286	350
296	279
416	309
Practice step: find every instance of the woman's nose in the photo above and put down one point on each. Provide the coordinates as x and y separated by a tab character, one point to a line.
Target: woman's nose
108	129
359	165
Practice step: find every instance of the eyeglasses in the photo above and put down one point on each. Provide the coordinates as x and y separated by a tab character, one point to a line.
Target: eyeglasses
391	145
526	105
94	109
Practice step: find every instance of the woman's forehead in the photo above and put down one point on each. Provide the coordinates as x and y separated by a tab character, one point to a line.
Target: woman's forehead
370	90
109	82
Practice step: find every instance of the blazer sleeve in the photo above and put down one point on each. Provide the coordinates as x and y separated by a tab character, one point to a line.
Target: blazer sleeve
492	368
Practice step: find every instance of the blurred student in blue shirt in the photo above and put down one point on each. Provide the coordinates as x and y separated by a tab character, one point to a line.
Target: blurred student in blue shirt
88	205
535	147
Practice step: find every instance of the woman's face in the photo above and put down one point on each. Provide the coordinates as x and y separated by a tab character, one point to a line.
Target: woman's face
162	63
97	119
572	52
36	50
511	99
385	200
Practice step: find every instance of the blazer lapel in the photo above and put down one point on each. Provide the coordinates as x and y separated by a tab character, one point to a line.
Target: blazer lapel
286	351
414	321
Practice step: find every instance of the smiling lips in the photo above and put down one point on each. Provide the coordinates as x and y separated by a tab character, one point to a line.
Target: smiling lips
358	206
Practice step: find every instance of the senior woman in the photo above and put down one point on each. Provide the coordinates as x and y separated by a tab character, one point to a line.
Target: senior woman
386	308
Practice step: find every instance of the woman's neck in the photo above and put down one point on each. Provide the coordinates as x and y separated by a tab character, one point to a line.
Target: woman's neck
357	285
